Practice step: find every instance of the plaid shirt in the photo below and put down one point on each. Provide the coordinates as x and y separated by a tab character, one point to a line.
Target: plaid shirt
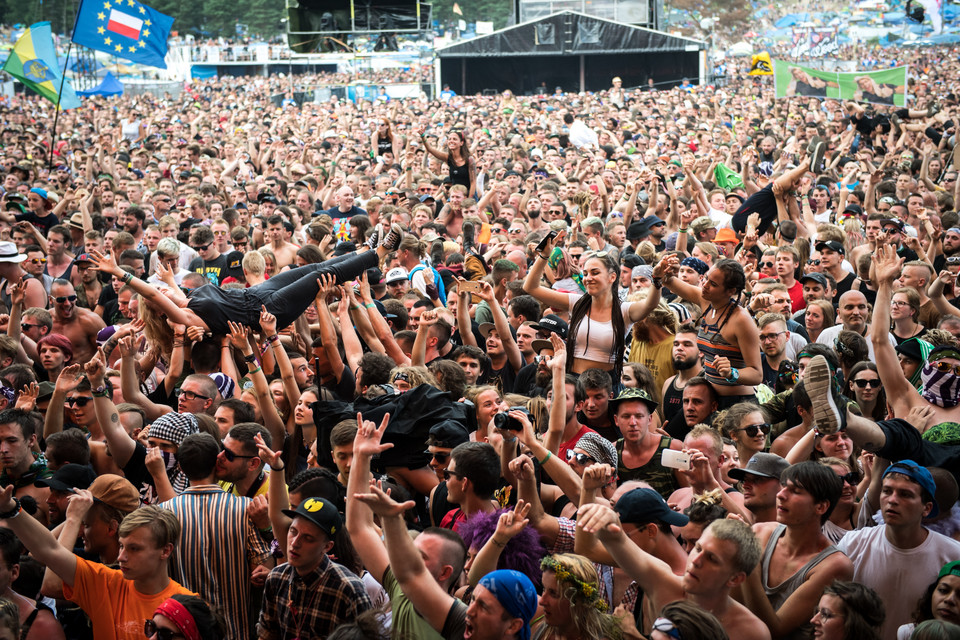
322	600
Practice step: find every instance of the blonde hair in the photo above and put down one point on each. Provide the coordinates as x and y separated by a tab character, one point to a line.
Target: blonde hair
416	376
254	263
579	583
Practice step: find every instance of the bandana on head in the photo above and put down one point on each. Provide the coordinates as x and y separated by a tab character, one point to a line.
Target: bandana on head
515	593
174	427
696	264
178	614
941	388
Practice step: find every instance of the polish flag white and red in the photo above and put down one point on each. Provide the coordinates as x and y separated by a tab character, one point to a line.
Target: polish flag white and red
124	24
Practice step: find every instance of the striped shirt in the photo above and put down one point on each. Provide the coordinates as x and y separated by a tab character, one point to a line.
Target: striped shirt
218	548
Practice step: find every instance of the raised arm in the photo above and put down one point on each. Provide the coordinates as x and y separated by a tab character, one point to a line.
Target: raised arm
38	540
150	295
240	338
423	591
359	517
558	370
531	284
130	382
514	357
509	525
122	446
900	393
66	382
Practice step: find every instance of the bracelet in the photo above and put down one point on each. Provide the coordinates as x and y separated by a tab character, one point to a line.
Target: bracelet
253	371
658	283
14	512
280	468
100	392
251	359
273	338
499	544
547	457
681	230
127	278
541	256
369	305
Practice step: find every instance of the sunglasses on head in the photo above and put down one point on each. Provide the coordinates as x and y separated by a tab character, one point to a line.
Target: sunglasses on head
667	627
80	401
581	458
150	629
439	456
62	299
863	384
754	430
953	260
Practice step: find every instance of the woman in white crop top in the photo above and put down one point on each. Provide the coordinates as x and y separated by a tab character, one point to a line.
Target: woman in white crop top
598	320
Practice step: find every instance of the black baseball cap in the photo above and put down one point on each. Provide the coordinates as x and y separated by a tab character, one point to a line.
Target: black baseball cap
552	324
320	512
447	434
831	245
643	506
819	278
69	477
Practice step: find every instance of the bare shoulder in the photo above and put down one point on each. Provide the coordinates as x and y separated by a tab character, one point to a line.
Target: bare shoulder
763	530
837	565
740	622
89	319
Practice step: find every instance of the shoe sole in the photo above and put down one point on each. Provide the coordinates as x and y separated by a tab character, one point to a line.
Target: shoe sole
817	159
818	382
396	230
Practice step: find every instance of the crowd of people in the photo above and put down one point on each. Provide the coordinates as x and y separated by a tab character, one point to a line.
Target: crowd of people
662	364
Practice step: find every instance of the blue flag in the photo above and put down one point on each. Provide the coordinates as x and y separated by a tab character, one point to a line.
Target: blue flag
124	28
33	62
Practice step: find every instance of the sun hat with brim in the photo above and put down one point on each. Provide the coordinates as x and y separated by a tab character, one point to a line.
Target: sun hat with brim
487	327
9	253
633	394
540	345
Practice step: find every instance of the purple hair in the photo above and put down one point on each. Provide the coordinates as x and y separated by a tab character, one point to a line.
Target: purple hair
523	553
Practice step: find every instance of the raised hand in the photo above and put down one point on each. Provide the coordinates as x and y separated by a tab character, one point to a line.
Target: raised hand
127	347
886	264
327	284
511	523
27	400
95	368
239	335
267	455
18	292
369	436
381	503
559	360
268	321
597	476
104	263
67	379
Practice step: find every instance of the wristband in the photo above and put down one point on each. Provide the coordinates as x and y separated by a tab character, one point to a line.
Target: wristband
127	278
253	371
369	305
682	230
547	457
14	512
658	283
100	392
280	468
250	359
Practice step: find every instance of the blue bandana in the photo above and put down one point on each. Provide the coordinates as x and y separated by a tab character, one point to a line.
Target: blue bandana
516	593
696	264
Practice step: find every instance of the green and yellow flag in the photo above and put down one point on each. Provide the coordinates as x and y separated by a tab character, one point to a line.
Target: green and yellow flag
33	61
761	65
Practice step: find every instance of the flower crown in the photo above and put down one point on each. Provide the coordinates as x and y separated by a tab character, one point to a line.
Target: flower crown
588	590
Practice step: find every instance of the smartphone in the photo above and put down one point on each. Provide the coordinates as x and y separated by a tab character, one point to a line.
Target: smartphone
673	459
547	238
470	286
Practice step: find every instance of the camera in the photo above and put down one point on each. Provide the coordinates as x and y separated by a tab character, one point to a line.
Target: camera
506	422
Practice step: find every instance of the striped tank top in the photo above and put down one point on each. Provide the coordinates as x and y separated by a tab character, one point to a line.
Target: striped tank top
712	345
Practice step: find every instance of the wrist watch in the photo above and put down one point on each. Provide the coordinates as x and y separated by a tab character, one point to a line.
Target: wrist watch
734	376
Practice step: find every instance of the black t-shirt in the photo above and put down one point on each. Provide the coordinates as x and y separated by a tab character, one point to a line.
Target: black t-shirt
43	224
527	382
762	202
844	285
504	379
220	268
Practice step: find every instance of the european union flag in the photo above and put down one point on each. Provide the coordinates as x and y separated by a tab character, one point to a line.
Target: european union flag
125	28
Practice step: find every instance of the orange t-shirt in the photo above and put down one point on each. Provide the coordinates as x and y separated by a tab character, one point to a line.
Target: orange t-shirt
116	609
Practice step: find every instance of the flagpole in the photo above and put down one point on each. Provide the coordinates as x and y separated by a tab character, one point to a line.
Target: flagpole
56	116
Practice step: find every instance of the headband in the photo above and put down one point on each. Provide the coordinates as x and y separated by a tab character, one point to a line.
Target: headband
180	617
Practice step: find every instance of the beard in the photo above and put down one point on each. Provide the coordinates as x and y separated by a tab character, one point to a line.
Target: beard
688	363
543	379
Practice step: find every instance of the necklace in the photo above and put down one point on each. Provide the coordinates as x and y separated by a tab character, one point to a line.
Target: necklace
306	609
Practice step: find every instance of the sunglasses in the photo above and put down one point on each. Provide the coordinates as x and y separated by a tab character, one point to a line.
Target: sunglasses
515	230
239	245
755	429
581	458
767	264
80	401
26	327
946	367
150	629
953	260
201	247
189	395
439	456
667	627
38	261
62	299
447	474
853	478
863	384
815	263
231	456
